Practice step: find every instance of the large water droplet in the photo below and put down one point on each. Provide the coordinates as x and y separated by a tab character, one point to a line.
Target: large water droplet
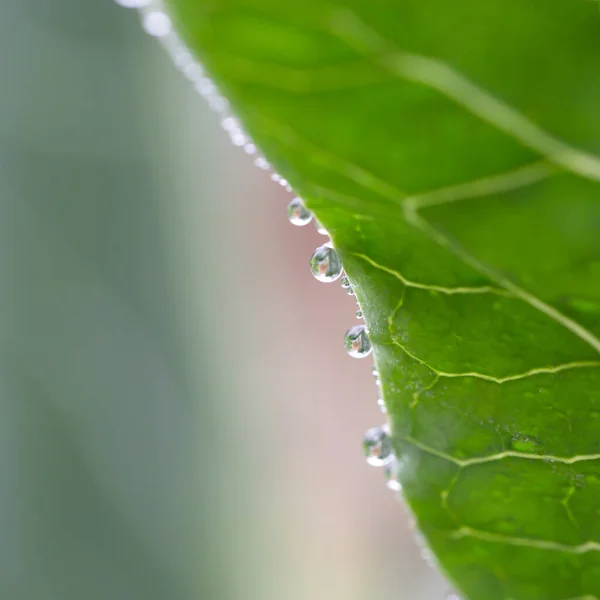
156	23
298	214
357	342
392	472
325	263
377	446
133	3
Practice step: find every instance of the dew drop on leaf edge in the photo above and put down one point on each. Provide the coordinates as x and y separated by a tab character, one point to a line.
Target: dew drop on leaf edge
298	214
325	264
357	342
377	446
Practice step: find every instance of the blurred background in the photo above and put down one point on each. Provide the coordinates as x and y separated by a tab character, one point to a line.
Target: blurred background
178	417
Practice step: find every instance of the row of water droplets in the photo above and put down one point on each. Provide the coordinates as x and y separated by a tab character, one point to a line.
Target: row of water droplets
325	263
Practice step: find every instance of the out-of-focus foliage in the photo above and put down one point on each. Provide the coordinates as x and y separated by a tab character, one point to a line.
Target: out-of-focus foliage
105	427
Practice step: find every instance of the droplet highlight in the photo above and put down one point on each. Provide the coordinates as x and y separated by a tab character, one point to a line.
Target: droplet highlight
357	342
298	214
377	446
325	264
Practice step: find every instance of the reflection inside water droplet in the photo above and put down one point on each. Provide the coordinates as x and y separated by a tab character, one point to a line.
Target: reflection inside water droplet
298	214
377	446
357	342
325	264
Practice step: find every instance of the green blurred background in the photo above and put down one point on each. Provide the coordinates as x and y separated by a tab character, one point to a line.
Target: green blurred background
179	419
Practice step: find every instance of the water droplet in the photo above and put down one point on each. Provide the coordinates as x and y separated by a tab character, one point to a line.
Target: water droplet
359	314
205	87
427	556
218	103
357	342
229	124
325	263
320	228
275	177
452	596
261	163
345	282
374	371
392	472
288	187
133	3
156	23
377	446
350	292
182	58
298	214
382	405
283	182
238	139
193	71
250	149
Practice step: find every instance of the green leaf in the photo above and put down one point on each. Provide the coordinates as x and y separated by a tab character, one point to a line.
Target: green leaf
451	150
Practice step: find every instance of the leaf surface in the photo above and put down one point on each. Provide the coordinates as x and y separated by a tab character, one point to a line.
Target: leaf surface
451	150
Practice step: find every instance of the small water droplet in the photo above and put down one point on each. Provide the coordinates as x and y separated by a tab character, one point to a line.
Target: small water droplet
452	596
382	405
229	124
427	556
374	371
218	103
325	263
359	314
377	446
261	163
182	59
357	342
283	182
205	87
193	71
345	282
275	177
250	149
392	472
298	214
288	188
320	228
133	3
238	139
350	292
156	23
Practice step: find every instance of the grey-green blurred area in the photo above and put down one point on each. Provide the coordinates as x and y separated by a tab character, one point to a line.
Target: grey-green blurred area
178	418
